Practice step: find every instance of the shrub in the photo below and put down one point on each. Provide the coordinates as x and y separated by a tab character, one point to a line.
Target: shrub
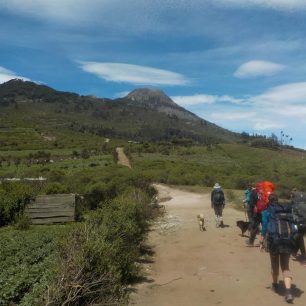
54	188
13	198
97	259
22	221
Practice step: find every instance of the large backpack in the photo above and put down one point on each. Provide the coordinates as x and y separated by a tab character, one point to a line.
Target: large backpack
264	189
281	230
218	196
299	210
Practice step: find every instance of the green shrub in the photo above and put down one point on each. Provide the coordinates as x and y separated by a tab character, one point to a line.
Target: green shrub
27	262
13	198
22	221
54	188
97	259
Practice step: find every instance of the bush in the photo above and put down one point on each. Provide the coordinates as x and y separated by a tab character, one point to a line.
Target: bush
55	188
26	264
22	221
97	259
13	198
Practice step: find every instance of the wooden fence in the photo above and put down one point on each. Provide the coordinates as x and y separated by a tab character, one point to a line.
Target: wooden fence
49	209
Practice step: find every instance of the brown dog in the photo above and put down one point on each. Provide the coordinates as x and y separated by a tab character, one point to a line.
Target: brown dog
201	222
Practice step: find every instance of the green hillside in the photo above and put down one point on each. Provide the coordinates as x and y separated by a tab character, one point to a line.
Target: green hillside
35	116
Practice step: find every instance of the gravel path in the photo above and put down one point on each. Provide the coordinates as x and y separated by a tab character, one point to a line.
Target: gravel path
193	268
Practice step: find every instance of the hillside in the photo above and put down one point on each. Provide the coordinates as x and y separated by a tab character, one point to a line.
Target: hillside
40	116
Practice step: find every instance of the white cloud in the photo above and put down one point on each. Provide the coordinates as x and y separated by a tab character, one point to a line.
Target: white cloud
292	93
258	68
270	4
199	99
234	115
134	74
194	99
6	75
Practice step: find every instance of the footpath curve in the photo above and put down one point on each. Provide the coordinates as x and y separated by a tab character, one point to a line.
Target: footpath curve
122	158
195	268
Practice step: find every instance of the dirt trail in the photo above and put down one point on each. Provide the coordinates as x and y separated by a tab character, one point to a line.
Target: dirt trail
122	158
194	268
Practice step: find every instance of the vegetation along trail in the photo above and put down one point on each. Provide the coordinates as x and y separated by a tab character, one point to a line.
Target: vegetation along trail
214	267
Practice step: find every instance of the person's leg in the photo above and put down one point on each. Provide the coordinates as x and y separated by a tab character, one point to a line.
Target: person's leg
284	263
254	228
216	210
274	267
250	214
220	212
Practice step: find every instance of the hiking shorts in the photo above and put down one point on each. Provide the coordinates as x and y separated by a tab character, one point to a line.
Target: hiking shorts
280	260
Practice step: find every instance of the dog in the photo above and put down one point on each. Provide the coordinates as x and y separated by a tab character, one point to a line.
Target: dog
243	225
201	222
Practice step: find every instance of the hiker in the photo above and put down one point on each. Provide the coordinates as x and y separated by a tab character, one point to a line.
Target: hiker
218	203
298	201
250	201
259	200
278	231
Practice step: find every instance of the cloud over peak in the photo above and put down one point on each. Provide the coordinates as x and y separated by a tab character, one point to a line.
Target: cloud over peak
6	75
258	68
134	74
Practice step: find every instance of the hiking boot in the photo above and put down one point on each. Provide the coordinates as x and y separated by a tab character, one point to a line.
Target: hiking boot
274	287
221	224
288	296
249	243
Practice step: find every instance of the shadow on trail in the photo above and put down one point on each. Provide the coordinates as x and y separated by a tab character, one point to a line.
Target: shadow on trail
296	292
301	259
146	257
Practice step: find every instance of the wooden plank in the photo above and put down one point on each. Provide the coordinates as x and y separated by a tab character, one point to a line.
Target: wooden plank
51	214
44	209
52	220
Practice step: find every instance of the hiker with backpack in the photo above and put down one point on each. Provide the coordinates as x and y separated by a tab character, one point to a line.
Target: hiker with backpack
246	201
260	200
218	203
298	201
279	233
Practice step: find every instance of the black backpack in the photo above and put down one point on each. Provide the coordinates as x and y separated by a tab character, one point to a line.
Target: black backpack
281	230
218	196
299	210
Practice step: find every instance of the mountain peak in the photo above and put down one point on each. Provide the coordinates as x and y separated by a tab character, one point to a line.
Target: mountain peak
151	97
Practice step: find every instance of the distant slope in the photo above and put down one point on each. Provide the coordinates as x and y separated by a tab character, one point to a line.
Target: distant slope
143	115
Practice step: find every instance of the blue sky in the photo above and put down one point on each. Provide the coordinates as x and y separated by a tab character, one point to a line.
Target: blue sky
238	63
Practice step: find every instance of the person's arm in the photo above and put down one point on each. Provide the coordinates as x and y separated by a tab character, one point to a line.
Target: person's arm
211	199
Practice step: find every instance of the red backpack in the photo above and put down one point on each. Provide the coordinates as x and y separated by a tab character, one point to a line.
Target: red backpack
263	189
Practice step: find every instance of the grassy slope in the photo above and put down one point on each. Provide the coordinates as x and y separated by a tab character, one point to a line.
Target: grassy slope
233	166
